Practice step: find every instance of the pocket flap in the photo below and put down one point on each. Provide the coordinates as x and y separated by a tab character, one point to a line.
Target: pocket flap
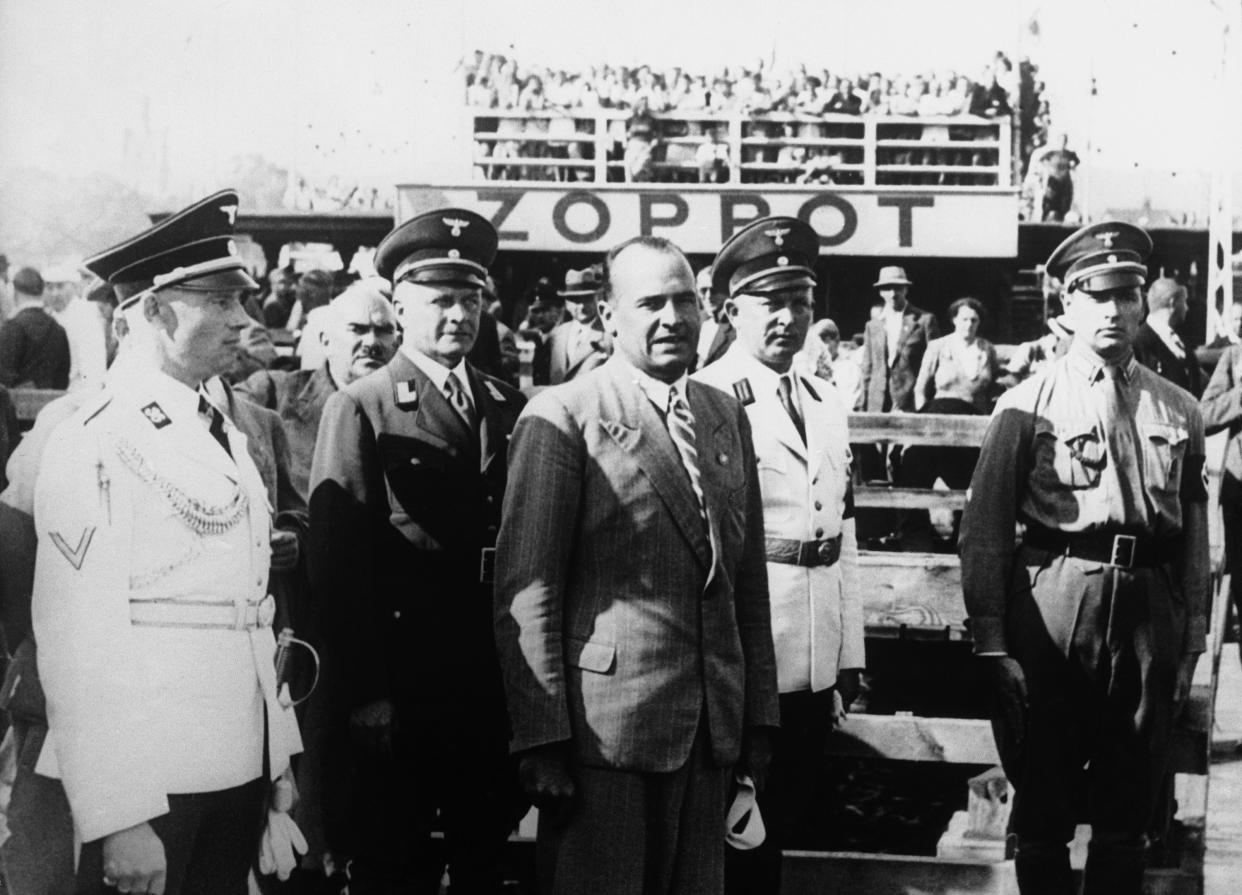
1174	435
1070	430
591	655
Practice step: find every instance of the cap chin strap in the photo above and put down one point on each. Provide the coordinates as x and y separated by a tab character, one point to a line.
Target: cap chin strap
404	270
180	274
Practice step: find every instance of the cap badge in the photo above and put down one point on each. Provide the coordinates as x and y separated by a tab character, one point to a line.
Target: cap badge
232	247
453	253
782	261
777	235
155	415
1107	237
231	211
1112	259
457	224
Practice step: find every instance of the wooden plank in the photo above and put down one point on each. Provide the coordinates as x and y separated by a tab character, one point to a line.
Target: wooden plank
948	430
29	401
908	498
912	594
911	738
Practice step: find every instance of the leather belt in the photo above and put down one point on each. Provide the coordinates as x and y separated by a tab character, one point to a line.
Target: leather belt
803	553
1120	549
203	614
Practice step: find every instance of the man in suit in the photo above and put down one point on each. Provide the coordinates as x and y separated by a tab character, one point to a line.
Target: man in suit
1158	346
580	343
801	438
632	601
34	349
893	346
150	598
359	336
1222	412
716	331
406	489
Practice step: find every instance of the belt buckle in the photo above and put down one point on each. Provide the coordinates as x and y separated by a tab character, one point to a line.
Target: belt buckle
825	552
808	553
1122	554
487	565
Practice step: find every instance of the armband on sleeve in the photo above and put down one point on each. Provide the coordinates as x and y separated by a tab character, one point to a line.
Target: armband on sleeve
1194	480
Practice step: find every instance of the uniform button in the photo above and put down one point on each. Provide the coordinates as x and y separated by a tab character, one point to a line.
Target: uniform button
259	581
819	532
491	499
815	481
396	614
818	505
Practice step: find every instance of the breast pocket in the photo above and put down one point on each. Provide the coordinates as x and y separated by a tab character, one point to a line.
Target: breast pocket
1164	452
1069	455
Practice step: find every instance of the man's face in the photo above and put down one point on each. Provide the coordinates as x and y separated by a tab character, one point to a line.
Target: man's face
361	336
773	325
1233	319
1180	309
284	286
200	332
653	313
441	321
1107	321
543	317
56	296
584	310
894	296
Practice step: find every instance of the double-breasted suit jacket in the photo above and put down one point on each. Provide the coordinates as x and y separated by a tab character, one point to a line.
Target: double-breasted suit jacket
888	382
405	506
817	616
623	620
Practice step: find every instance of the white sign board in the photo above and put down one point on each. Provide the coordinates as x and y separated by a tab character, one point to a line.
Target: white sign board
886	222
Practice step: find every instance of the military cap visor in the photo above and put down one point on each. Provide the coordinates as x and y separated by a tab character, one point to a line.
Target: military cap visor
1100	257
448	246
767	255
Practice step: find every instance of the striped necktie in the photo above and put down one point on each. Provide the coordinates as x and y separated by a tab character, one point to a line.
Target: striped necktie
784	391
680	424
457	397
215	422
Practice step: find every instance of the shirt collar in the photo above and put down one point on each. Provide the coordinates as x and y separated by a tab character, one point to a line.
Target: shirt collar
655	390
177	400
436	371
1090	366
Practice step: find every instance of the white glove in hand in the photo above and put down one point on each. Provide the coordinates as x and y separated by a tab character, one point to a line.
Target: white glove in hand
282	841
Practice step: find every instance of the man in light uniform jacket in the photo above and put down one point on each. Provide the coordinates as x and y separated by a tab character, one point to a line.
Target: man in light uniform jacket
799	426
150	602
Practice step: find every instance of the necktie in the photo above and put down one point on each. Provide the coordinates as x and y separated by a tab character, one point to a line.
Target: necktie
215	423
457	397
1123	446
1179	347
681	427
785	391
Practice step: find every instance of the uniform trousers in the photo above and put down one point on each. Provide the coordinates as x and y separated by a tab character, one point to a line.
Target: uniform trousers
211	840
640	833
38	855
790	803
1100	648
447	772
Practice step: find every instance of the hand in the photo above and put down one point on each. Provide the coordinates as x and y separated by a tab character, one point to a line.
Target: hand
848	686
284	550
133	860
756	755
544	775
1008	683
371	726
1185	677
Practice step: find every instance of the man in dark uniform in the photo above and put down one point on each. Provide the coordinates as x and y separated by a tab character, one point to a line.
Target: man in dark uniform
1158	345
406	490
1091	628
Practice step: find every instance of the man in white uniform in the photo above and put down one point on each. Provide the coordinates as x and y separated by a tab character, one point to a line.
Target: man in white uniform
801	441
150	605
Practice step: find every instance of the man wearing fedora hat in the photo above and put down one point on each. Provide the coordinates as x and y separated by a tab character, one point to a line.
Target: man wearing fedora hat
579	344
893	346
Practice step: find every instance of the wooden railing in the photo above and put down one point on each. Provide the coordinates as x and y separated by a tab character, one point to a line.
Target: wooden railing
591	146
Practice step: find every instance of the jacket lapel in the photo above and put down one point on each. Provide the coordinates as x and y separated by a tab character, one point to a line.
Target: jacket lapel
434	415
490	405
819	424
314	394
642	432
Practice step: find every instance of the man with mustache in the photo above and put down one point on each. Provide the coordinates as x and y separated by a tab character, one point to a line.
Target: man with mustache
359	337
802	442
406	488
1089	630
632	601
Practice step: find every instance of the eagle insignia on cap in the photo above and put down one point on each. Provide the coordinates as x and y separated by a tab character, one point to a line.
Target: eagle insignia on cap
1107	237
231	211
155	415
457	224
777	235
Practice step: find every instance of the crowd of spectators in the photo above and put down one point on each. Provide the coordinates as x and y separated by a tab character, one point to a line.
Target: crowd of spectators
779	105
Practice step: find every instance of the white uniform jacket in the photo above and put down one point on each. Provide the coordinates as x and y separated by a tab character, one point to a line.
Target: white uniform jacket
817	615
150	606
